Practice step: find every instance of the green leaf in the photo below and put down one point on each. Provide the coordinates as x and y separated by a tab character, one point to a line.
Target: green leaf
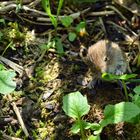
7	85
120	112
127	76
136	96
80	26
110	77
2	67
75	128
47	8
137	90
135	120
92	137
86	125
97	128
59	6
66	20
59	46
45	46
72	36
75	105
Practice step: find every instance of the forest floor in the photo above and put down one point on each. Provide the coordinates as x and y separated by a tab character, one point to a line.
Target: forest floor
48	76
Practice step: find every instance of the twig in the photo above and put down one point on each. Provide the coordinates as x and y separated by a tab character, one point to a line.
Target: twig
18	116
101	13
129	9
103	26
117	26
34	3
13	65
6	137
117	11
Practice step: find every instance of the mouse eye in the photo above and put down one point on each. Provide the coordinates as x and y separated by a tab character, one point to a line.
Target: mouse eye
105	59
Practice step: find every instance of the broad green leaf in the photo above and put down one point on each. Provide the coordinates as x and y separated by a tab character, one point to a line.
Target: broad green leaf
59	46
135	120
136	96
108	76
136	100
66	20
120	112
71	36
7	85
75	105
137	90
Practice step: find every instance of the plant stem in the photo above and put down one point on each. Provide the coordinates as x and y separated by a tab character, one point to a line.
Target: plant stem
81	129
7	47
125	90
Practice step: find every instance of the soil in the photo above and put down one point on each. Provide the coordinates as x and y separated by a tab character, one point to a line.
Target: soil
41	88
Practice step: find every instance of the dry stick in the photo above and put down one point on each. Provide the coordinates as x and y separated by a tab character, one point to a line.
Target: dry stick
34	3
101	13
129	9
103	26
117	26
6	137
117	11
26	8
11	64
18	116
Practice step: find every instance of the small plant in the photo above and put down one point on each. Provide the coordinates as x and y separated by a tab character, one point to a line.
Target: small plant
122	78
75	105
80	29
13	37
47	8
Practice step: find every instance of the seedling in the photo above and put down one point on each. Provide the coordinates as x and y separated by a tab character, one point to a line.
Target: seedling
123	78
47	8
75	105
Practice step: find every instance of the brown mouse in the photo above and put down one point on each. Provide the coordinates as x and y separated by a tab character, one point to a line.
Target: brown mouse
106	56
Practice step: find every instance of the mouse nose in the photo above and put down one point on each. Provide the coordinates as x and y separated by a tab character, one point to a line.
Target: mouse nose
119	70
